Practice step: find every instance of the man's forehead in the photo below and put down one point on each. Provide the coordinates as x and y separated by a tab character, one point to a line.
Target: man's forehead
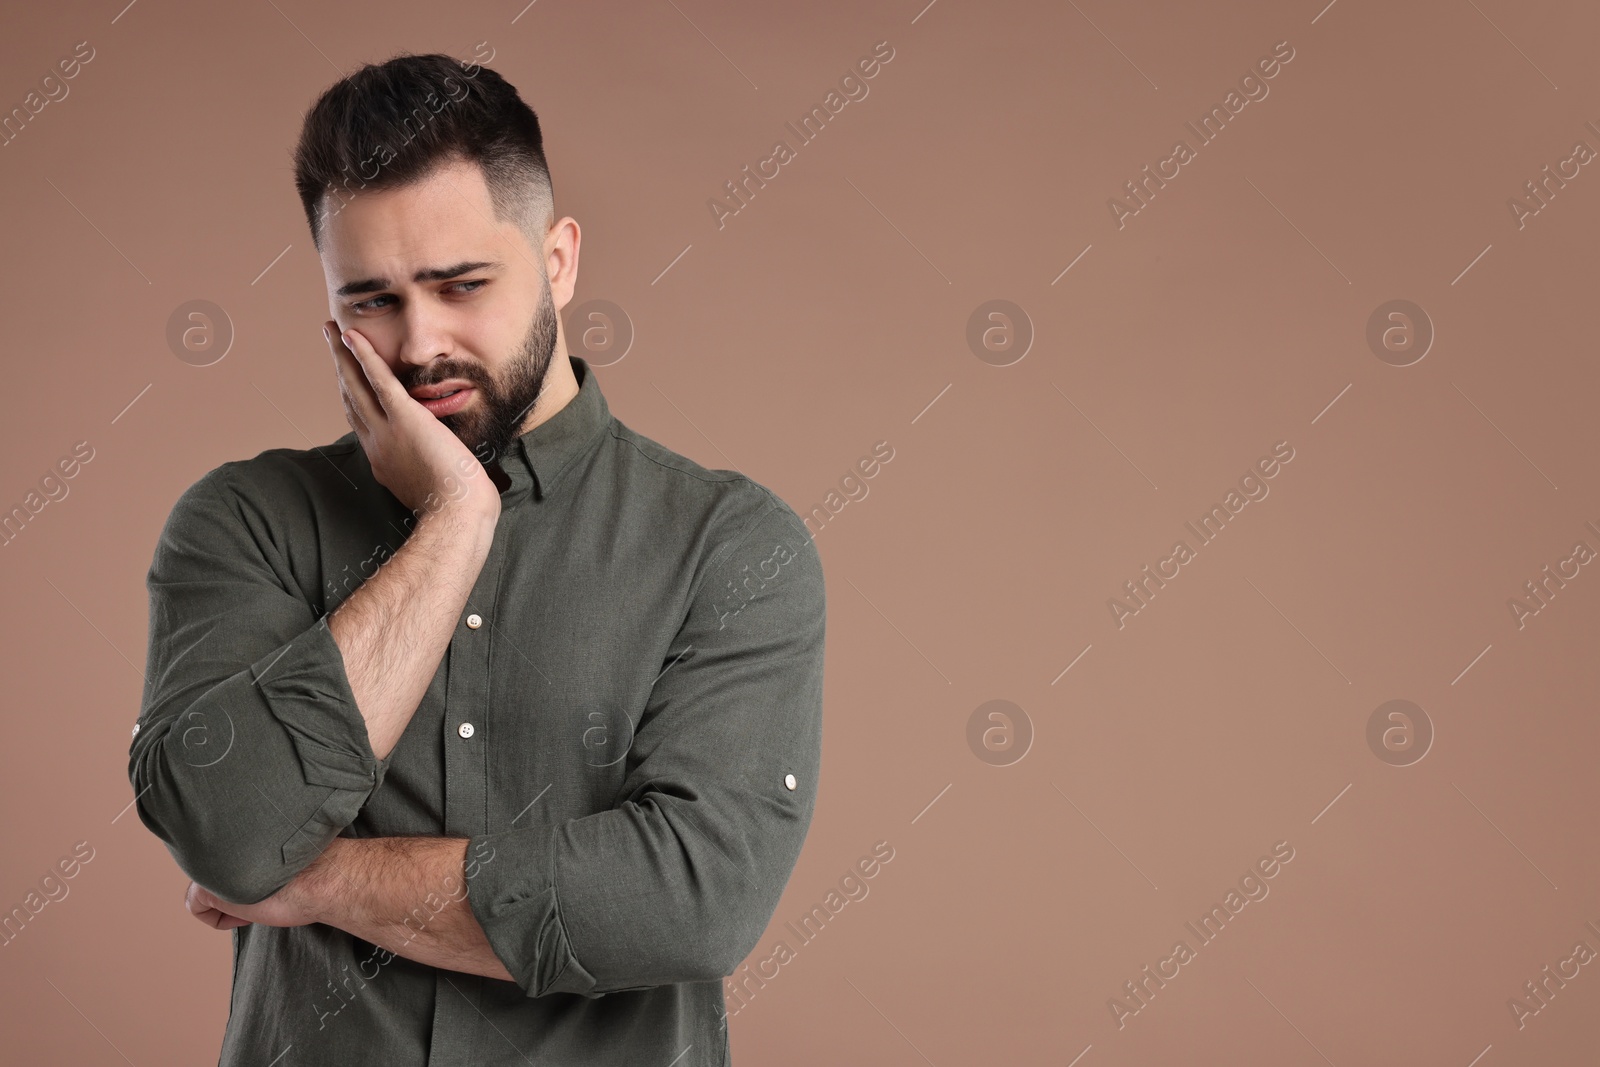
394	239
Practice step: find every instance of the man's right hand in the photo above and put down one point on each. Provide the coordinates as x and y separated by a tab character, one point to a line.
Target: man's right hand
415	456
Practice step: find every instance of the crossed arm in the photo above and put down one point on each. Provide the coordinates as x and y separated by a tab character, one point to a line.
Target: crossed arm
407	895
246	687
706	829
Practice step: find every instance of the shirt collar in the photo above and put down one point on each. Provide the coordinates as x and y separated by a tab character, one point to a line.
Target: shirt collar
541	456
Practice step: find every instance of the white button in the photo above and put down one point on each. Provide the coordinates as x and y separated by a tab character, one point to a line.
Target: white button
465	729
474	621
788	781
135	729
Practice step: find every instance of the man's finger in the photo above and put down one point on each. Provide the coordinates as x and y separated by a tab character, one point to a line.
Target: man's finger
360	400
379	378
361	403
218	919
357	423
201	903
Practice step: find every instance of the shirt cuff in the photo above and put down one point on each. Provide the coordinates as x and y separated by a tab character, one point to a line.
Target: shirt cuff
514	901
305	687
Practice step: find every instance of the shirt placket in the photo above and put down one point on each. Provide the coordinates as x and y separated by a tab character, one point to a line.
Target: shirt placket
457	1013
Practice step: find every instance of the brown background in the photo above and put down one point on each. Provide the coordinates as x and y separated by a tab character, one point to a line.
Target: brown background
832	313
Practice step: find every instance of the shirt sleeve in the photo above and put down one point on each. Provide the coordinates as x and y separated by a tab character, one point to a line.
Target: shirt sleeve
250	753
678	881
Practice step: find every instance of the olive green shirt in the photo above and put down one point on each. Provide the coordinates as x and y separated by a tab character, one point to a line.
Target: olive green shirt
626	727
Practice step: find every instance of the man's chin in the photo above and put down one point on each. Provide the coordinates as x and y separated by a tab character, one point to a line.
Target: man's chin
468	434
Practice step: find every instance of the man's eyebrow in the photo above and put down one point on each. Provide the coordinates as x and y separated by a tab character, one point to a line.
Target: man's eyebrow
433	274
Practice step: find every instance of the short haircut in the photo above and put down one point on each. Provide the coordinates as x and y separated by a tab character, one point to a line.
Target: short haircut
390	124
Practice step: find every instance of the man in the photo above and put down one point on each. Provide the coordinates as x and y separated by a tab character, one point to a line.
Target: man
491	729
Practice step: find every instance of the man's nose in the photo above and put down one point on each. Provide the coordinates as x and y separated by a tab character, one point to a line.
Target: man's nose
423	336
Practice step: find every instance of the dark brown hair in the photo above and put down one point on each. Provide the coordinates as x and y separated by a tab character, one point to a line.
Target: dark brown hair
390	124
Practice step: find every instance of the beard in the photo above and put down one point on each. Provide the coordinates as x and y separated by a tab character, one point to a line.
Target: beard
491	426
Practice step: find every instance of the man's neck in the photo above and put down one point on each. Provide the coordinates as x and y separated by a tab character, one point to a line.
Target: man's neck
559	387
556	392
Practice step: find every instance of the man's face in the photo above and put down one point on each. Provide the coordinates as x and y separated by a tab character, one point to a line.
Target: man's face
446	294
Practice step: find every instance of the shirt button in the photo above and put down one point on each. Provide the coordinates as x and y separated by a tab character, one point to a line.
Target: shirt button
465	729
135	729
474	621
788	781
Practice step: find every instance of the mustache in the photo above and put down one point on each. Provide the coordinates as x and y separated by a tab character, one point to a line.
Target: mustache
438	374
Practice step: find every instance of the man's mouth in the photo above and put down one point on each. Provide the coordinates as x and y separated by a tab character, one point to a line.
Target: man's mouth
439	391
445	398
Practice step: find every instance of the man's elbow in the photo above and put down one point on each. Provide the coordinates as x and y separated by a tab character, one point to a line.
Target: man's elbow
727	939
237	879
731	919
208	846
707	949
238	871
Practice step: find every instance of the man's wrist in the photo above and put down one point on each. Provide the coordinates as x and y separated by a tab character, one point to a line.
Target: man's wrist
462	533
325	891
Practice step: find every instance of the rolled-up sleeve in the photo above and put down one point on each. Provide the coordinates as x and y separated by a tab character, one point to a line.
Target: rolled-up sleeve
680	879
250	753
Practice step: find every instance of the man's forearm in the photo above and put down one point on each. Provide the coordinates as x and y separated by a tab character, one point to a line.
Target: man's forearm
393	630
407	895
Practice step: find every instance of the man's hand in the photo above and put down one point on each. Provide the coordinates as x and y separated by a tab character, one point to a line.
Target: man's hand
415	456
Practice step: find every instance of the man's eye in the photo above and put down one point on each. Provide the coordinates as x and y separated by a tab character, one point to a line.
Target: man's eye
373	305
